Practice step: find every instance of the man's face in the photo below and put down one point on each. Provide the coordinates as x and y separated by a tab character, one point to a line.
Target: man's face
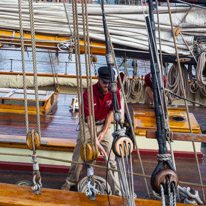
103	86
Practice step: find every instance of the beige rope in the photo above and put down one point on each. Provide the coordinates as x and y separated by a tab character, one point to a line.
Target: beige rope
31	12
23	67
90	74
129	117
184	94
79	74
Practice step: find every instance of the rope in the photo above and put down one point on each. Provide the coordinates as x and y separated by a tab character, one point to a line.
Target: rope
194	87
184	95
23	67
136	88
200	72
174	80
129	118
127	87
101	185
65	9
55	75
89	76
164	157
31	12
78	73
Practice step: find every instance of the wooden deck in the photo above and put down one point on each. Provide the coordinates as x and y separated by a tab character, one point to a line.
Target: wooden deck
59	128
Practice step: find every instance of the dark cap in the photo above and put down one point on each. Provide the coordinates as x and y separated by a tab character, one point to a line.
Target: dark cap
104	74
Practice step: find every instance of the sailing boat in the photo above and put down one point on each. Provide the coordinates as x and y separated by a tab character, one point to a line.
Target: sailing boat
45	192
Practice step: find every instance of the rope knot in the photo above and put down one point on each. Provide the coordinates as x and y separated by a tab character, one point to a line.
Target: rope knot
164	157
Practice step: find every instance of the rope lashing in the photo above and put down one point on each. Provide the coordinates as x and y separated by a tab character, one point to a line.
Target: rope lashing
164	157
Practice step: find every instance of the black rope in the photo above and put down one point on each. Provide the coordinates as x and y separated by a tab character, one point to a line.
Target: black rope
167	90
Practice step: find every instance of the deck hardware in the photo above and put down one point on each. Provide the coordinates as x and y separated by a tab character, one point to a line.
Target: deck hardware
91	154
164	160
161	179
24	183
178	118
37	140
91	185
123	142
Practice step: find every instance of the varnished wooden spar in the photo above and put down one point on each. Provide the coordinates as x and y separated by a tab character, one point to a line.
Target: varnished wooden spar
180	136
11	195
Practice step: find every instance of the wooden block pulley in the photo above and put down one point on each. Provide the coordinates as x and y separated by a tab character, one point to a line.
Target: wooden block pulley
91	154
36	139
123	144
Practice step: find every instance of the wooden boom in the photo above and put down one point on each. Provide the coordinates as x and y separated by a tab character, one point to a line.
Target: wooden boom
47	41
180	136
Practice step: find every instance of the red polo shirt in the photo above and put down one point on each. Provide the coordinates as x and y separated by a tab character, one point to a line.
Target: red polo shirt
148	80
102	104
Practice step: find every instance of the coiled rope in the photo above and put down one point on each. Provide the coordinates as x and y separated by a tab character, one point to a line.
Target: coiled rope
127	87
200	69
100	184
200	73
136	88
174	80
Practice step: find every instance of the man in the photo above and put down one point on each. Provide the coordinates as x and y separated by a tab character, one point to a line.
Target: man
103	109
149	97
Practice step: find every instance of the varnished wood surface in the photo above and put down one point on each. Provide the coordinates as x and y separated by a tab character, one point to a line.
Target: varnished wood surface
59	128
180	136
22	195
144	119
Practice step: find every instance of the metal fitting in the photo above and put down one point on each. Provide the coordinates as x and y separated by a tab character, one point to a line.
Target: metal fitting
113	87
110	59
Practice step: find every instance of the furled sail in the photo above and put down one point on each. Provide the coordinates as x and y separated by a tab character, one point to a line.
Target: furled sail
126	23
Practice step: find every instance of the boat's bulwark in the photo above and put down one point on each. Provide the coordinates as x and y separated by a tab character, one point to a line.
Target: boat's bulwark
23	196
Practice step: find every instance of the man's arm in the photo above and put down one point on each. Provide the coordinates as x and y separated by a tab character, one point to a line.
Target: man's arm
150	92
108	121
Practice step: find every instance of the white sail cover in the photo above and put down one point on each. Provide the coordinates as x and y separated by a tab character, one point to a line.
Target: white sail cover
126	23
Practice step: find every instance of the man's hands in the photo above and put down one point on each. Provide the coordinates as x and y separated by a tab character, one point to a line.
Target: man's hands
101	136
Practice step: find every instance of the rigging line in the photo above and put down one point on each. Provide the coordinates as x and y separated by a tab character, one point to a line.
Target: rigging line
31	12
88	76
130	121
158	64
190	4
161	66
191	52
77	61
65	9
186	105
194	102
23	66
90	73
94	165
55	75
167	125
188	11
